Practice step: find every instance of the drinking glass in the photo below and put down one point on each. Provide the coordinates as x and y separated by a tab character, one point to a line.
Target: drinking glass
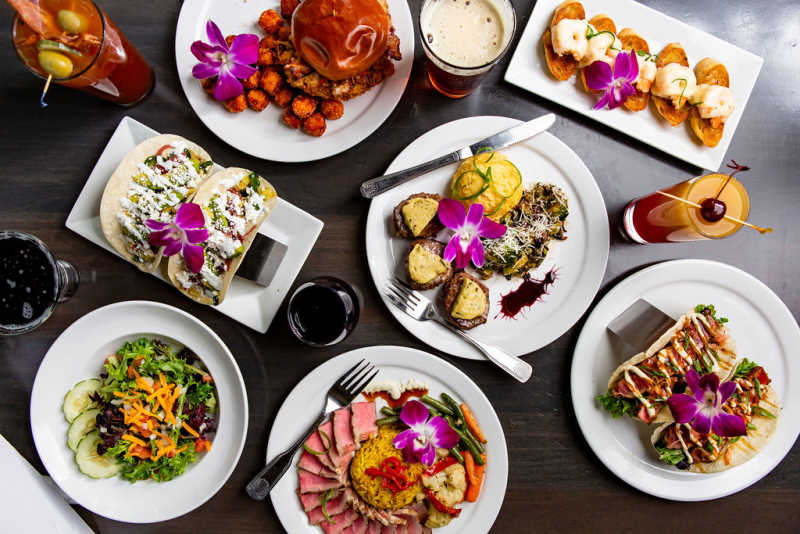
31	286
323	311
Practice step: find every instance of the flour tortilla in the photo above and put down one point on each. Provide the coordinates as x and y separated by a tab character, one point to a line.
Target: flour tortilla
726	353
747	446
117	188
206	191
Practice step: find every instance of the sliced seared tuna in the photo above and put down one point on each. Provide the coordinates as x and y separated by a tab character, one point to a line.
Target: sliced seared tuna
373	528
343	432
314	500
413	526
311	483
309	462
315	443
332	507
362	418
340	522
387	529
359	526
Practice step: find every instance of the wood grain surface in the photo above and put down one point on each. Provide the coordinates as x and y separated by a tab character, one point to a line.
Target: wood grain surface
555	484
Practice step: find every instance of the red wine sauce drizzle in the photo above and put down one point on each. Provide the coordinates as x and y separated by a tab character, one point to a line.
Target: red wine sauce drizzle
527	294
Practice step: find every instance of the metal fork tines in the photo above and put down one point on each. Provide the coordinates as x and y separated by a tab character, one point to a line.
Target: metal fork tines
418	307
340	394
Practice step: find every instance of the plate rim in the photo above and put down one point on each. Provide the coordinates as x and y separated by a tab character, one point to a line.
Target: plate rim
468	351
183	35
239	381
581	410
425	357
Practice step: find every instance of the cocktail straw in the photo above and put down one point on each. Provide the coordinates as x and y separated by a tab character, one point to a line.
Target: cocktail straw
734	219
44	91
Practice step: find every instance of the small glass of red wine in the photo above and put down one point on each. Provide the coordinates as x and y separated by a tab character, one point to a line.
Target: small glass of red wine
32	282
323	311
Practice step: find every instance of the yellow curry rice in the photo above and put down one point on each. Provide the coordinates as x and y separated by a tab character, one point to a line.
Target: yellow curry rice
371	489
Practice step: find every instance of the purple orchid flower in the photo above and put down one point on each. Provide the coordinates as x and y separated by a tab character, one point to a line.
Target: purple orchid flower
183	235
423	436
228	64
469	227
617	85
704	406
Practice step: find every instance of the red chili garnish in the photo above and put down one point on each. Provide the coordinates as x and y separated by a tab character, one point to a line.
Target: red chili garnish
440	466
162	149
439	505
392	473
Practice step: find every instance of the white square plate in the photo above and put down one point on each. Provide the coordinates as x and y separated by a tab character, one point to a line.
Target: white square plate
247	302
529	71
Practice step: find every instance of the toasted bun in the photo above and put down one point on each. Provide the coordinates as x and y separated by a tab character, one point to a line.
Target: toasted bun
712	72
633	41
340	38
561	67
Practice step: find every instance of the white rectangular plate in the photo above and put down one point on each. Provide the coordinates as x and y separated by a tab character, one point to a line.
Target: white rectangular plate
247	302
529	71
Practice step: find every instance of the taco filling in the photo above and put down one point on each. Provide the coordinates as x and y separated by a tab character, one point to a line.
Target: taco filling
642	389
232	213
680	445
161	183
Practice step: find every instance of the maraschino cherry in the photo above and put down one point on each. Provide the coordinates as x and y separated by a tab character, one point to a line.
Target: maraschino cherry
713	209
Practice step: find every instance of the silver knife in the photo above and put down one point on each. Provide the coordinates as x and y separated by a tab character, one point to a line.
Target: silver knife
376	186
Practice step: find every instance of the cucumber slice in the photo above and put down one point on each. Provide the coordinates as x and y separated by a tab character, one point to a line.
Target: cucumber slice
82	425
92	464
77	399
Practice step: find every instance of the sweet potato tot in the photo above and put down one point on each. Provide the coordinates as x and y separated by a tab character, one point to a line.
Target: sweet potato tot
270	21
332	109
303	106
270	81
283	97
672	53
600	23
257	100
290	119
252	81
236	104
712	72
315	125
561	67
632	41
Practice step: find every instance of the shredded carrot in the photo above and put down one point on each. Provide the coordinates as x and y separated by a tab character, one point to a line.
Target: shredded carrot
162	380
189	429
162	452
133	439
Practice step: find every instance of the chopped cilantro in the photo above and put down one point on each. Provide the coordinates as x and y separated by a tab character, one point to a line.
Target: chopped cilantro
670	456
618	406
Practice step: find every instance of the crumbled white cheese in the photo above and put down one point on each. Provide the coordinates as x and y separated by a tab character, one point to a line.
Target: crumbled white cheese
393	388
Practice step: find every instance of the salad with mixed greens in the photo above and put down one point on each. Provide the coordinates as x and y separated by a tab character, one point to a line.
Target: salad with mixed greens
148	416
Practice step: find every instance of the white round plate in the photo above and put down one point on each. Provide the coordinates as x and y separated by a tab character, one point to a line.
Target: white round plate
764	331
302	406
78	353
580	260
264	135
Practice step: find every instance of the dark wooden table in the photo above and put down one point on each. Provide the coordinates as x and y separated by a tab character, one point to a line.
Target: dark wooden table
555	482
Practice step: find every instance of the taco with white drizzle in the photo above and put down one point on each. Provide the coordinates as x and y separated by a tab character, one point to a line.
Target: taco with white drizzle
640	387
151	182
235	202
754	401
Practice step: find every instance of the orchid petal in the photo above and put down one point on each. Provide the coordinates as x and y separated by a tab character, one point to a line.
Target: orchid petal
625	66
244	48
190	215
693	383
602	102
683	407
452	248
728	425
726	389
205	52
155	225
241	71
474	214
172	247
227	87
193	256
598	76
201	71
444	437
702	421
215	35
475	251
427	455
451	213
491	229
709	382
404	439
414	413
616	97
462	257
196	235
160	238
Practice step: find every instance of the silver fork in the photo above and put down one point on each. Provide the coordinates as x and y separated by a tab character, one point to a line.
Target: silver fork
420	308
340	394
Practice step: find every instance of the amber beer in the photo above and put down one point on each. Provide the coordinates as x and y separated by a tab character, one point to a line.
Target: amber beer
76	43
661	217
463	40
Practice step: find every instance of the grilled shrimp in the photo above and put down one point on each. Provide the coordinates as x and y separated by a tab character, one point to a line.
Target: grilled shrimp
448	485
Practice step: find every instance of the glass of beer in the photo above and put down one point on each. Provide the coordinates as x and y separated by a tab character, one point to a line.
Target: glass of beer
463	40
666	217
76	43
33	282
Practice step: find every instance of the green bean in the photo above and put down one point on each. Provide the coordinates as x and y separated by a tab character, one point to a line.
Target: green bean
457	455
470	446
387	420
454	407
437	405
388	412
475	440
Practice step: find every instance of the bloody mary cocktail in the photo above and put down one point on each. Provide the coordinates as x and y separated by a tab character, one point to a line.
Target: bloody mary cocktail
76	43
661	218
